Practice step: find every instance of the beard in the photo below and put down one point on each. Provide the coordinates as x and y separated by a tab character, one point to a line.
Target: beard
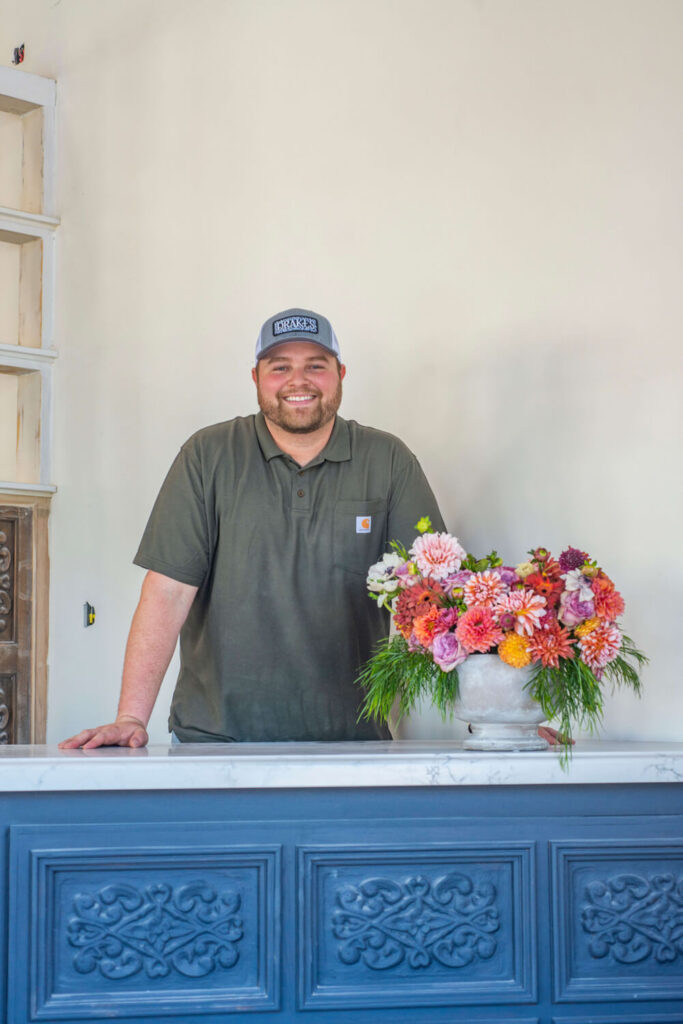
297	420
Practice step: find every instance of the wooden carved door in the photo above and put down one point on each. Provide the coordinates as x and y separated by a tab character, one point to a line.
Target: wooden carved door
16	593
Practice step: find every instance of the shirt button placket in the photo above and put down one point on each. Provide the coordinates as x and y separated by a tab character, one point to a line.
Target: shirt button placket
300	495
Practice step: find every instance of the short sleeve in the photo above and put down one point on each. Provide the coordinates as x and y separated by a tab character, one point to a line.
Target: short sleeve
176	538
411	499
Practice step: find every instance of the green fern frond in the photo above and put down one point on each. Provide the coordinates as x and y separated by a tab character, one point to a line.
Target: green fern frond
396	672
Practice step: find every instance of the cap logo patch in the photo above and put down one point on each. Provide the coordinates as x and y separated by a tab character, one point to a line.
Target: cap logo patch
307	324
363	524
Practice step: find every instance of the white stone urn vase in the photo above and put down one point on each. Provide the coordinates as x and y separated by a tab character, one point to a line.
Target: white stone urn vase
500	712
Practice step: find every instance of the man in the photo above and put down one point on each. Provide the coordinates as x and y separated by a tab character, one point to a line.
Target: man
257	551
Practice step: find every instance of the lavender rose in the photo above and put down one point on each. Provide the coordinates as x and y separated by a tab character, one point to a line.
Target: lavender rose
455	580
573	610
448	652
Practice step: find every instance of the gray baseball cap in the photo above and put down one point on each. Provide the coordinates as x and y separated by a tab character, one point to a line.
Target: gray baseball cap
297	325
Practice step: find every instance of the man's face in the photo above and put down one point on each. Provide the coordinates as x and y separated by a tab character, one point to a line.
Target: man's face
298	386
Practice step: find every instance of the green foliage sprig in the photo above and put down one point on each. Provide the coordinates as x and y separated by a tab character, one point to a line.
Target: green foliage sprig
572	695
492	561
396	672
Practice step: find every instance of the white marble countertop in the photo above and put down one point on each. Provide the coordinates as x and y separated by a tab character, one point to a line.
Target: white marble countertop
306	765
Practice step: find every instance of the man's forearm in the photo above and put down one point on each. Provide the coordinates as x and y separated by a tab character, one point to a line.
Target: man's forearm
159	616
163	607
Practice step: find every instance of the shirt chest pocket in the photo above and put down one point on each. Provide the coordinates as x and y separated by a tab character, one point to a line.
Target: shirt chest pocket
359	533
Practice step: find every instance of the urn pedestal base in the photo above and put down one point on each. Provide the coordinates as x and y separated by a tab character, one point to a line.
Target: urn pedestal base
500	736
501	714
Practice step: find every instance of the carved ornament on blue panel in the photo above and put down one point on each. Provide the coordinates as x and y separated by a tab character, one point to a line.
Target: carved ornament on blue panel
618	920
383	927
156	930
122	930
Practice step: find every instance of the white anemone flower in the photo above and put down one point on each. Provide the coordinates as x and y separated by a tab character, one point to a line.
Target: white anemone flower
382	575
575	580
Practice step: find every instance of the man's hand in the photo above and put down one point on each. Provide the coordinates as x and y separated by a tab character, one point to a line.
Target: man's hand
126	731
551	736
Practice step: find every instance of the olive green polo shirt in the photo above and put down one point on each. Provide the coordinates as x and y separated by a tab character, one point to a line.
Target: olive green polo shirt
282	622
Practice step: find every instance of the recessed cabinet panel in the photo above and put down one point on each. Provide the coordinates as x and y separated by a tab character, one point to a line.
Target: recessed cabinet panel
21	307
20	426
21	167
396	927
153	927
10	264
8	426
618	921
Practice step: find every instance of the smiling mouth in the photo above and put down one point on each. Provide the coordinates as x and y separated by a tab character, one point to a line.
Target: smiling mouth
299	399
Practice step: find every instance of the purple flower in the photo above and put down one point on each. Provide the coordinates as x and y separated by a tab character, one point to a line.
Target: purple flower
573	610
456	579
448	617
507	621
508	575
448	652
548	618
572	558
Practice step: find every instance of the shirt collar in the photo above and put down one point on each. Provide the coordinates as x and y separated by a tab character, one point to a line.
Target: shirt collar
337	449
265	438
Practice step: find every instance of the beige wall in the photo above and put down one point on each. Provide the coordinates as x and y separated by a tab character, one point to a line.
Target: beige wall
485	198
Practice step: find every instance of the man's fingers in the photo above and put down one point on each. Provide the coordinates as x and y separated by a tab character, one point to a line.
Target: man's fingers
105	736
78	740
128	734
553	737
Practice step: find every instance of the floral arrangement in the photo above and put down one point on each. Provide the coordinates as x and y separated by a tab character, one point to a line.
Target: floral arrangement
557	616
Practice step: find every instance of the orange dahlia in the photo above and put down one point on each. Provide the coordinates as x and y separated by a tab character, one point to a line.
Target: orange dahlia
546	586
550	644
609	604
425	625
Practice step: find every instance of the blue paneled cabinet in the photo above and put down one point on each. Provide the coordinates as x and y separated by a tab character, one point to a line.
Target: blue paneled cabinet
482	904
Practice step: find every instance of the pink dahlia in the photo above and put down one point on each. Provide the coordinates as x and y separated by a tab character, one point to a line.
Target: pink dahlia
477	630
600	646
528	609
484	588
437	554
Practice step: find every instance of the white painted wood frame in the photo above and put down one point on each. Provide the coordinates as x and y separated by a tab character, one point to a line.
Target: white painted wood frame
21	93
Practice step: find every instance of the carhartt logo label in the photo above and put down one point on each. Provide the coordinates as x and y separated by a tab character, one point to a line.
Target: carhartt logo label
307	324
363	524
